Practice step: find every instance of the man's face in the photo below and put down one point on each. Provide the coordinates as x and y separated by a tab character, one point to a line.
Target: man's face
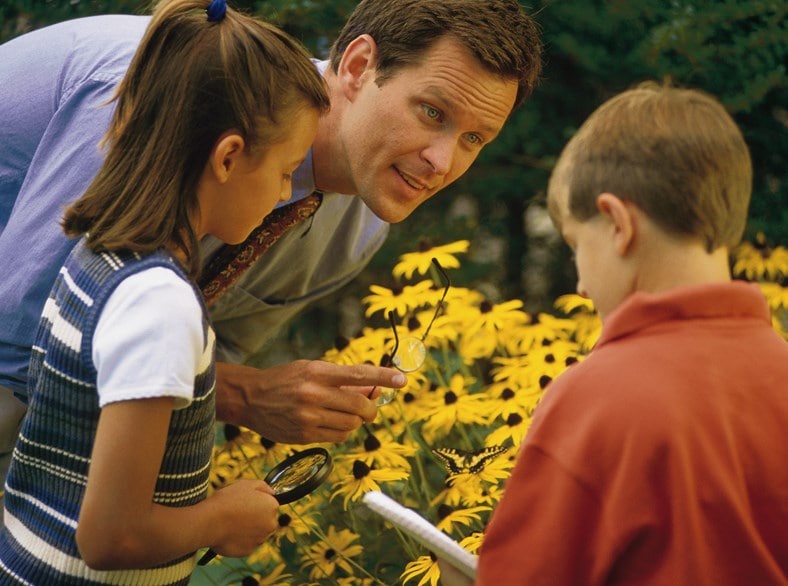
422	129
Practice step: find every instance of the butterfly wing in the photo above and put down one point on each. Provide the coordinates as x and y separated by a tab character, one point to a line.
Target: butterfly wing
462	462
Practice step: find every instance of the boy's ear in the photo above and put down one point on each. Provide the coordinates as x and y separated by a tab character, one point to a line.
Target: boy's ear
225	155
622	218
360	57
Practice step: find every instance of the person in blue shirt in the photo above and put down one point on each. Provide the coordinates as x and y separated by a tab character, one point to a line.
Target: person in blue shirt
417	89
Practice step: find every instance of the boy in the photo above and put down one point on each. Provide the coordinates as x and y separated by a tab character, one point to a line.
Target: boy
661	458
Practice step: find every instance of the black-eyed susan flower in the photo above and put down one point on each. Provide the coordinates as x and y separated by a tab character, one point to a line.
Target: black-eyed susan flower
426	567
363	479
383	453
401	300
421	262
453	405
296	520
332	553
457	521
757	261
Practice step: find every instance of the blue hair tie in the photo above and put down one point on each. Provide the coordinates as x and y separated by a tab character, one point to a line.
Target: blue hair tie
216	10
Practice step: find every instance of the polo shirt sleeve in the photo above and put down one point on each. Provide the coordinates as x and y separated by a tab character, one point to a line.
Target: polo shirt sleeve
149	341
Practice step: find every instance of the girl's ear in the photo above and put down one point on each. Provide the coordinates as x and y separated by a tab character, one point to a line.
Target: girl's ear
622	218
225	155
357	64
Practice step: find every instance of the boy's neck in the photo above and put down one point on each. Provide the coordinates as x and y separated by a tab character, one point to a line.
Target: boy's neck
678	263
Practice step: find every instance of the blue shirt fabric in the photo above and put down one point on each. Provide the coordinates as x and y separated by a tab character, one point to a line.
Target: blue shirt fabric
54	87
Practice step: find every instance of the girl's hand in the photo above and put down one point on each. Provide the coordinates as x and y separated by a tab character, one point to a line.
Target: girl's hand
250	513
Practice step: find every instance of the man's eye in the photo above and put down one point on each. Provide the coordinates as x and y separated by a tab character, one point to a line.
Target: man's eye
431	112
475	139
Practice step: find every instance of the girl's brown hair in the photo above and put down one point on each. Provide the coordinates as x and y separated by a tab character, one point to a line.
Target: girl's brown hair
190	81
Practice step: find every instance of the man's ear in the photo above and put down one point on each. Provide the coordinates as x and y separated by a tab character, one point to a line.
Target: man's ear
225	155
357	64
622	218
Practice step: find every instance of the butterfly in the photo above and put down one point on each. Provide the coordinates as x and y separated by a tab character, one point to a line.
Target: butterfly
462	462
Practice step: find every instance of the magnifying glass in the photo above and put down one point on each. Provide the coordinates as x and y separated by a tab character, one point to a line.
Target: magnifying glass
293	478
410	352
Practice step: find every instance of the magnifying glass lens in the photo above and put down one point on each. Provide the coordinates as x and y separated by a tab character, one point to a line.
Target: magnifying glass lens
410	354
386	396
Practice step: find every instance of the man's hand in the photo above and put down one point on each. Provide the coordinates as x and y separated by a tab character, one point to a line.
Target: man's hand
301	402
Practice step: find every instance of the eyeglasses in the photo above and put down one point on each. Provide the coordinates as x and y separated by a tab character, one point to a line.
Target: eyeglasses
409	354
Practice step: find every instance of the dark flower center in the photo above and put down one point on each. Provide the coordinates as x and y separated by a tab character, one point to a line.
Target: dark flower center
450	398
360	470
514	419
231	431
371	443
444	511
284	520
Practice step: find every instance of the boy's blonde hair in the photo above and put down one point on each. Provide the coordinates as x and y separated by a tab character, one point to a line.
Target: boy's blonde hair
676	153
191	80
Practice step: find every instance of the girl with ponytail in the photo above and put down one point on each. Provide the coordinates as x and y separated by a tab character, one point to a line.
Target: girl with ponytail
109	479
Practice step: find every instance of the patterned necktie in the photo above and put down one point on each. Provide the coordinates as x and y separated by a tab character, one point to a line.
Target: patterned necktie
231	261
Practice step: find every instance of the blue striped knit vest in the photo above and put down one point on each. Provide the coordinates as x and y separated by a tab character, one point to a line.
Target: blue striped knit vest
48	472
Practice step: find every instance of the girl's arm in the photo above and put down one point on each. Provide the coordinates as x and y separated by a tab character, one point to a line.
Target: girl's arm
119	525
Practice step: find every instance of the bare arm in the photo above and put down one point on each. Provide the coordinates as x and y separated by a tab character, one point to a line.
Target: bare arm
121	527
302	402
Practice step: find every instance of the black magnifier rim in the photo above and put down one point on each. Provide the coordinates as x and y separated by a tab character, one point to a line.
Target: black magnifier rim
308	485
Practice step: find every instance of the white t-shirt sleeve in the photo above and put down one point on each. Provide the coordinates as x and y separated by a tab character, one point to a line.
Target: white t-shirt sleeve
149	341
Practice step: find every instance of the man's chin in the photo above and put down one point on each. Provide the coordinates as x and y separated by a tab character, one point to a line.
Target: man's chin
388	212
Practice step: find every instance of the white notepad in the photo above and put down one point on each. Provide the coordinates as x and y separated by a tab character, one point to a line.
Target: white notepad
423	531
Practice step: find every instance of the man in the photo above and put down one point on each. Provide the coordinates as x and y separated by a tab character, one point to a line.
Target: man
417	88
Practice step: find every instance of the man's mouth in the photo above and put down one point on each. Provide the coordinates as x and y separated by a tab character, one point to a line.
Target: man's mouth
411	181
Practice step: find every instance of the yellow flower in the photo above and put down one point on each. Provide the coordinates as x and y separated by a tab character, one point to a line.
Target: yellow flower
267	553
571	302
758	261
362	480
453	405
401	300
382	454
473	542
275	577
425	566
452	519
295	520
497	317
420	262
332	553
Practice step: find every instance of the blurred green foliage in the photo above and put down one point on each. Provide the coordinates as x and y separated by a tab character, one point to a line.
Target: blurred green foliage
735	49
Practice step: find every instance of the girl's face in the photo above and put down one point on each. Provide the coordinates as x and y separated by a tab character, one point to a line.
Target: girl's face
257	183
